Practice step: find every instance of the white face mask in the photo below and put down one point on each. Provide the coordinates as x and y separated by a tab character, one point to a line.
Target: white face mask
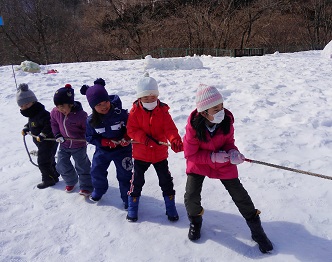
150	106
218	117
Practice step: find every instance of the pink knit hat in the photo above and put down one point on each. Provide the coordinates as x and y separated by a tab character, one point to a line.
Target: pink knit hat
207	97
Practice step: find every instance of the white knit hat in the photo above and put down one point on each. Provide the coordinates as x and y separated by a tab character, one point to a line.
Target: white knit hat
207	97
147	86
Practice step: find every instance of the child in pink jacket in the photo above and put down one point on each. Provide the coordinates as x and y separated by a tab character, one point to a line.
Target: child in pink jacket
210	152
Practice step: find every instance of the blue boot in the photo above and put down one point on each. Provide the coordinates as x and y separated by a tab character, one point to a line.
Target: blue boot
132	208
171	212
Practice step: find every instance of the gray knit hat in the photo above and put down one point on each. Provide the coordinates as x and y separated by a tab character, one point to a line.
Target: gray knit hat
24	95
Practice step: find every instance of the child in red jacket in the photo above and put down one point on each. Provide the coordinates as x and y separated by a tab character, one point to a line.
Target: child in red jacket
150	126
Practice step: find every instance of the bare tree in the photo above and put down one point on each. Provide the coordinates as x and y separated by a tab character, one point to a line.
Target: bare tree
209	23
36	28
317	18
250	14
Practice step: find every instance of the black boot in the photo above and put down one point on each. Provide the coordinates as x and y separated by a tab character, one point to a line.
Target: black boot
195	227
258	234
56	176
45	184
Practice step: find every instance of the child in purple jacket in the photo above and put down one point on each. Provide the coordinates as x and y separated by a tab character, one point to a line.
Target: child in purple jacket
68	121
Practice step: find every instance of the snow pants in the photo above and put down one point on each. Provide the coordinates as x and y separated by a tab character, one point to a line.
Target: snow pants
46	159
122	158
80	173
192	196
164	176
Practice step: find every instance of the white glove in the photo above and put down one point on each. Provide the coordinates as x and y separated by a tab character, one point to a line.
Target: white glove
236	157
220	157
59	138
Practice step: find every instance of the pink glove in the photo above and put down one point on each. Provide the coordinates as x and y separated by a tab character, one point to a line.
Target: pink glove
236	157
219	157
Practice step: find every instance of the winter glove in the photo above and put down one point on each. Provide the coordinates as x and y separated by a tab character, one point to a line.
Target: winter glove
108	142
219	157
125	141
25	131
177	145
59	138
40	137
236	157
150	141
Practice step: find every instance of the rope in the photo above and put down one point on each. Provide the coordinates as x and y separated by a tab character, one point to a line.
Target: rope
287	168
164	143
14	76
26	148
65	138
83	140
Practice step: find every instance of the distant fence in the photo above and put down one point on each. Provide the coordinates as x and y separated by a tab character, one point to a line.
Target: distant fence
179	52
248	52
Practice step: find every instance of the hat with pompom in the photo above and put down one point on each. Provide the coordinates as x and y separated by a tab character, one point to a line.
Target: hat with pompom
207	97
100	81
24	95
95	94
64	95
147	86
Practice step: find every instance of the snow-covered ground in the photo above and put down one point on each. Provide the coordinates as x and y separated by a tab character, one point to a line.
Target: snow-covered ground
283	115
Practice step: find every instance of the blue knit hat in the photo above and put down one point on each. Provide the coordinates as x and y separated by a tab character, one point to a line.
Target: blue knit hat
64	95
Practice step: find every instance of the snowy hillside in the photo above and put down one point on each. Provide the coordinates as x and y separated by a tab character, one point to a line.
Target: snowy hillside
282	109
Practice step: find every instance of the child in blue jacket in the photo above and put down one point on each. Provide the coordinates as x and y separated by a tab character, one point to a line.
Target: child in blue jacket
106	129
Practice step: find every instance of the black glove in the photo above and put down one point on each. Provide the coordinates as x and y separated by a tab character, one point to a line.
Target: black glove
40	137
25	131
150	141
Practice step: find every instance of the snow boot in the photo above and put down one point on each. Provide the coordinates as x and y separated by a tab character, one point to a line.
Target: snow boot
258	234
56	179
94	197
195	227
56	176
171	212
48	181
46	184
132	209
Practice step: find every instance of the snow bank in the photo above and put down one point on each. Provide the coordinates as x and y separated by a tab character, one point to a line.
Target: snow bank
184	63
327	51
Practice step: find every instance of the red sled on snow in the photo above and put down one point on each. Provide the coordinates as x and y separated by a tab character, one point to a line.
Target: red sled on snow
52	71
